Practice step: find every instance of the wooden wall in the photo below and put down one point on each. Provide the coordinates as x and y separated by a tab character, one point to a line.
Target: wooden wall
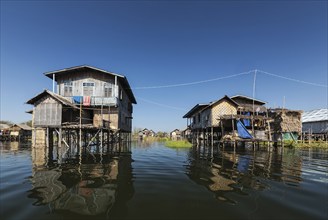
317	127
120	117
79	78
47	112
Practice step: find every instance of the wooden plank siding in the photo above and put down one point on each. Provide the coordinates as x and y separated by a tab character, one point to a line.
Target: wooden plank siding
78	78
47	112
111	100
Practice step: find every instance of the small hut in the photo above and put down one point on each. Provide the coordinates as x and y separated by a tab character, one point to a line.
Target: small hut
4	132
20	131
286	124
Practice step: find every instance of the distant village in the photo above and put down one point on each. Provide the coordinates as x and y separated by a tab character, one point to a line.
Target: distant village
88	103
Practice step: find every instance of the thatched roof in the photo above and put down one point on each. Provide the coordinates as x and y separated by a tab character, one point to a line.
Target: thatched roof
285	120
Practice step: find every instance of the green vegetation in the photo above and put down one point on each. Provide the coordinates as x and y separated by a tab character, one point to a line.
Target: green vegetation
6	122
162	139
312	144
178	144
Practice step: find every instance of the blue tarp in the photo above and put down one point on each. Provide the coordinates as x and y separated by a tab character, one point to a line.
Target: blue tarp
247	122
242	131
77	99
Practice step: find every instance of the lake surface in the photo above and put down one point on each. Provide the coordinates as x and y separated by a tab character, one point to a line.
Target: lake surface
157	182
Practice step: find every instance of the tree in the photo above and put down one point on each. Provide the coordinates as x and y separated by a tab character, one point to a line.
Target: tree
6	122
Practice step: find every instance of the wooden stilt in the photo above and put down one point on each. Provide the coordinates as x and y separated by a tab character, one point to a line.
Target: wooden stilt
60	138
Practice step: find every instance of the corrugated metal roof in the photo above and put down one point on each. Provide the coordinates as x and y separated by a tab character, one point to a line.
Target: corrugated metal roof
195	109
315	115
4	126
249	98
23	126
59	98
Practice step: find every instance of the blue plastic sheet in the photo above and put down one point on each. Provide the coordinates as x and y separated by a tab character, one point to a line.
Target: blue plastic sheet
247	122
242	131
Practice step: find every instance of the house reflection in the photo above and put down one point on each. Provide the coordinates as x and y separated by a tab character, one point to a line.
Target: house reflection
227	172
90	186
211	174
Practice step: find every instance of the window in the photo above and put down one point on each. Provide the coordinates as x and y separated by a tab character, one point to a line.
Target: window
68	88
88	88
108	90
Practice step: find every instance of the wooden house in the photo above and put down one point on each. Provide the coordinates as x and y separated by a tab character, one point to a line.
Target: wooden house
4	132
175	134
86	97
221	117
315	123
20	131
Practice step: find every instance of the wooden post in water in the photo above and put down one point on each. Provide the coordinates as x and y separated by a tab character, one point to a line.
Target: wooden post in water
47	138
80	130
60	138
233	133
102	125
212	138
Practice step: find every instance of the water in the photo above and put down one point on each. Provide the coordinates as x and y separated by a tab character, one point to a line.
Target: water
156	182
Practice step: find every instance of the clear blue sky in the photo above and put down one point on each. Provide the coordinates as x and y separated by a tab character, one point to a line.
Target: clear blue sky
163	43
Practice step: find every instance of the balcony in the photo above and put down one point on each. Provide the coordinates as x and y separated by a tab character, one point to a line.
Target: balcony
94	101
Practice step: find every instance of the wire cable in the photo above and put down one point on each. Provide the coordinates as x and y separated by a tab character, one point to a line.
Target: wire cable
162	105
194	83
291	79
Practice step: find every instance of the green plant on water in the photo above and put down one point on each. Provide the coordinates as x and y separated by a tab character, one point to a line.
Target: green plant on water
163	139
178	144
312	144
290	143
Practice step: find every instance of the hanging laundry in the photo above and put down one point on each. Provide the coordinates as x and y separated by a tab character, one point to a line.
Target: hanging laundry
86	100
77	99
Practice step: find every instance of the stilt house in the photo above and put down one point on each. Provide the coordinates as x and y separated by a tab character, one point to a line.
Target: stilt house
83	97
175	134
315	123
225	116
20	131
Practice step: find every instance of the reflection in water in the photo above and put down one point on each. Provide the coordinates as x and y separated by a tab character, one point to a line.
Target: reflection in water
230	185
88	186
226	171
